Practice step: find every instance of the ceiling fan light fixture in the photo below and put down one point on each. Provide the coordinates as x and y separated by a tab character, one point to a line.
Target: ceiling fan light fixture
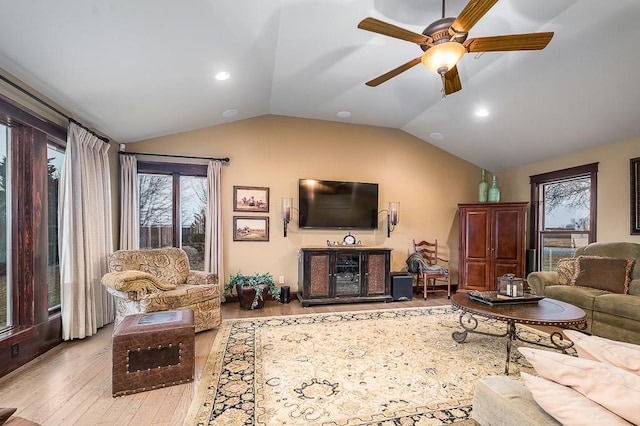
442	57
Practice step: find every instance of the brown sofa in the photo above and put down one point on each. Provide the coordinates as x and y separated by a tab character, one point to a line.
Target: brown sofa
159	280
610	314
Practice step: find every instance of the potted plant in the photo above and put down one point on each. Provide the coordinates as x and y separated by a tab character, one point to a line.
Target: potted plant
251	288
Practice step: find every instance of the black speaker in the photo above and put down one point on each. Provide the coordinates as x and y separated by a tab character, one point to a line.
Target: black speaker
401	286
530	262
285	294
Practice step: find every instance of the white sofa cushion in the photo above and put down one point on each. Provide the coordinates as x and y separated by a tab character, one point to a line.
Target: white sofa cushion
569	406
614	388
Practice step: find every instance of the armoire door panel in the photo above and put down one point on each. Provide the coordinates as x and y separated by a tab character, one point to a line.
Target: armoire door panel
476	275
503	268
477	234
506	234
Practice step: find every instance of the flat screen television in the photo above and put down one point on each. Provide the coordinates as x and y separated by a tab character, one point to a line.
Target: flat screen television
326	204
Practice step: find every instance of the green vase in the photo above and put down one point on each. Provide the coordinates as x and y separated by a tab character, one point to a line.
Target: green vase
483	187
494	191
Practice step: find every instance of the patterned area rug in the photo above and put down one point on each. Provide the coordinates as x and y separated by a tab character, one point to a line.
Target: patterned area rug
389	367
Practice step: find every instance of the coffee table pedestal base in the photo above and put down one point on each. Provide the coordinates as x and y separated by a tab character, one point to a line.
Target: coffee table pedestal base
470	325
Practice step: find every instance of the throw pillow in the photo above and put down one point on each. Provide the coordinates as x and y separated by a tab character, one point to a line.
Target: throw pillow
566	269
5	413
604	273
620	354
614	388
567	405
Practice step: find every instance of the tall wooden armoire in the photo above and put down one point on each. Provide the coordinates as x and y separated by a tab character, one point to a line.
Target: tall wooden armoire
492	243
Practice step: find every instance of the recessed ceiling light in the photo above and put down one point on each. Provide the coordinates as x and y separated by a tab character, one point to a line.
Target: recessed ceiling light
344	114
230	113
437	136
482	112
222	75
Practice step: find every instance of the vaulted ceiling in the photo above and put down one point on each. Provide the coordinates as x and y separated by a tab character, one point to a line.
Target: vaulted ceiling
145	68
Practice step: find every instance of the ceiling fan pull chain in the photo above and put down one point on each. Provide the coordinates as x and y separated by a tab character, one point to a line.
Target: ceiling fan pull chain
444	92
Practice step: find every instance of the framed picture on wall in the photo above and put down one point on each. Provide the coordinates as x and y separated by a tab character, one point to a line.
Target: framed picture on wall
635	196
250	228
250	199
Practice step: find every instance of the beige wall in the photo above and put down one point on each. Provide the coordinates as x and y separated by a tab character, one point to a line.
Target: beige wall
274	152
613	220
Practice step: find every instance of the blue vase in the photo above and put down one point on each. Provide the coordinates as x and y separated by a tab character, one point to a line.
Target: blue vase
494	191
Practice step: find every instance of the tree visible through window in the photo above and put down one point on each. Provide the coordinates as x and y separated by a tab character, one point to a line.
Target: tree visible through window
55	156
563	213
172	194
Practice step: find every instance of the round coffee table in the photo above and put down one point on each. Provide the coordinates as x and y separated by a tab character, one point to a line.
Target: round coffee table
545	312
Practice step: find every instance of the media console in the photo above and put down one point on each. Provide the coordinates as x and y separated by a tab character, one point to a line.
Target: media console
343	275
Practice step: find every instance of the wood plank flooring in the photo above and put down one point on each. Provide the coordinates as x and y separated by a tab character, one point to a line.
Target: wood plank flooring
71	384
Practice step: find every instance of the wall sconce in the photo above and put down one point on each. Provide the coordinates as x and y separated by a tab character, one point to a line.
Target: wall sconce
393	218
286	212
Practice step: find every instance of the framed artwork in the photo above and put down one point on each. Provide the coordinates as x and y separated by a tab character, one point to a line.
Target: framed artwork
250	199
250	228
635	196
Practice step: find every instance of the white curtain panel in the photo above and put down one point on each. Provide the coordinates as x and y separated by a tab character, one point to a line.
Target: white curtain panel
85	234
213	228
129	203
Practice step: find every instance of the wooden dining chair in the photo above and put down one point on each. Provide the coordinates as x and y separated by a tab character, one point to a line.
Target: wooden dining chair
434	268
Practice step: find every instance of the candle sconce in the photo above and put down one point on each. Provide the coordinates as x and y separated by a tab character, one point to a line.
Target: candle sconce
286	212
393	218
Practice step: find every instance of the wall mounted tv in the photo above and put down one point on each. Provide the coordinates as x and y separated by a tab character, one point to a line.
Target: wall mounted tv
326	204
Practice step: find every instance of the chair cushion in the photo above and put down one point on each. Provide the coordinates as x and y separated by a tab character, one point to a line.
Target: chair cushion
136	283
183	295
620	305
170	265
582	297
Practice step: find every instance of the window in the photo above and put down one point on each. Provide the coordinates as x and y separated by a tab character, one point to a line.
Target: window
563	213
31	155
55	159
172	194
5	231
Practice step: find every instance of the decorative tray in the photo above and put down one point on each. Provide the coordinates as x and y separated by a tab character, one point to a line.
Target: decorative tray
493	298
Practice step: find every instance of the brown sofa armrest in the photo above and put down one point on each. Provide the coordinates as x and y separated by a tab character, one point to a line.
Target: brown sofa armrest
539	281
201	277
136	283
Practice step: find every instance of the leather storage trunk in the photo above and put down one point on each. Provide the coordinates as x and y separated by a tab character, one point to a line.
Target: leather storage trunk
153	350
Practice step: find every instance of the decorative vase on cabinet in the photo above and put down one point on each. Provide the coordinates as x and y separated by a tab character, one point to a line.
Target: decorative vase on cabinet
494	191
483	187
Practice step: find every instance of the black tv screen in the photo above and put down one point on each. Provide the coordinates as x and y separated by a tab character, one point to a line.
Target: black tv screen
337	205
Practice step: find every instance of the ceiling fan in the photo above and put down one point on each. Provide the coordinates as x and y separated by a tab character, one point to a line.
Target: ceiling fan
445	41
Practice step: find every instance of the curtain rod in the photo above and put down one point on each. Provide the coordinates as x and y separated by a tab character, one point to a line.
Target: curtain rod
224	160
52	108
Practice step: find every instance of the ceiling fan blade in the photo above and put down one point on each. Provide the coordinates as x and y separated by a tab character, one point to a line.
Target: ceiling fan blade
380	27
471	14
451	81
386	76
532	41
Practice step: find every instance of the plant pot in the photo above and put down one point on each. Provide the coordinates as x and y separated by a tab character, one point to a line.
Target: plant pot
246	295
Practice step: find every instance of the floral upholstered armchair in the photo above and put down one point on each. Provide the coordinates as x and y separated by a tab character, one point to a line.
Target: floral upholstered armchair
159	280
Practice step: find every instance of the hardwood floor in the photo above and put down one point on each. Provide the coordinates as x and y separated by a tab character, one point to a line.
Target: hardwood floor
71	384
